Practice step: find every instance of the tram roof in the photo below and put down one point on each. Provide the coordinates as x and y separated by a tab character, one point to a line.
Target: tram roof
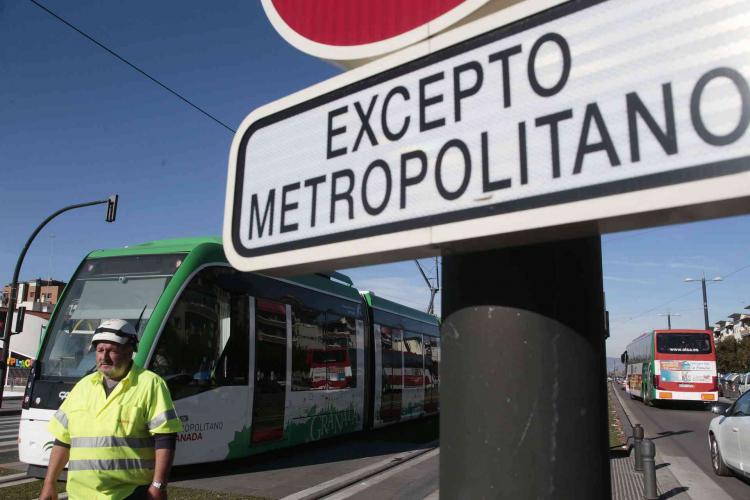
175	245
386	305
322	281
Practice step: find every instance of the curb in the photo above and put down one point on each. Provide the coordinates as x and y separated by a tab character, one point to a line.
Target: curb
665	480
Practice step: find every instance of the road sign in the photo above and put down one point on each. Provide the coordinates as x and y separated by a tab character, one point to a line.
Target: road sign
343	30
523	126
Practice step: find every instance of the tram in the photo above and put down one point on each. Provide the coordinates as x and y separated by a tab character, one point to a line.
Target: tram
254	363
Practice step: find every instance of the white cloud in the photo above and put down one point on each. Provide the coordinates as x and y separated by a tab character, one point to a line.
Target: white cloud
626	280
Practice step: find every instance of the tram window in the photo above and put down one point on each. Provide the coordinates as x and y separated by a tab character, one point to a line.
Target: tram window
194	352
341	350
392	380
308	343
413	360
232	367
324	346
270	346
432	373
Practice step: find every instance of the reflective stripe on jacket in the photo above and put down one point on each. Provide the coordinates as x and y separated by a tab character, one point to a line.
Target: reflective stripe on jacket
111	438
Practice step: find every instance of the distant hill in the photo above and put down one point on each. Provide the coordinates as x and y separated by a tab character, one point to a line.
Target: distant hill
615	365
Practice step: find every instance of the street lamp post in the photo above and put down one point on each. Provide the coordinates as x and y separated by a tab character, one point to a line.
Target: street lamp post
12	296
669	318
705	299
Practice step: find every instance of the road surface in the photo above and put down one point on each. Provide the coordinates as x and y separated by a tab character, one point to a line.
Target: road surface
680	434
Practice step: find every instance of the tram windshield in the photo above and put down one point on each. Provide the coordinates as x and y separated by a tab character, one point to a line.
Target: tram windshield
106	288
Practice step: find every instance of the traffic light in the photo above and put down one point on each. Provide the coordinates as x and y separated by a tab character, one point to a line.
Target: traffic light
112	208
20	316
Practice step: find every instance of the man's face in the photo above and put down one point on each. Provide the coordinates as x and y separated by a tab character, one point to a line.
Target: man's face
113	360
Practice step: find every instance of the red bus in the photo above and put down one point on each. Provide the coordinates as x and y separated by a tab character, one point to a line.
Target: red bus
672	365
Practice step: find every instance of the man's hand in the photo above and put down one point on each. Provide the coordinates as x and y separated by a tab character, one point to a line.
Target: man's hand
49	492
57	460
154	493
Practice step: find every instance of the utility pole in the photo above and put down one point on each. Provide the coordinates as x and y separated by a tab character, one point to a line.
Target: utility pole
705	298
434	288
111	214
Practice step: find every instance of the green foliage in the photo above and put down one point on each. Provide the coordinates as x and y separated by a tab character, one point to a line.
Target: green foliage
733	356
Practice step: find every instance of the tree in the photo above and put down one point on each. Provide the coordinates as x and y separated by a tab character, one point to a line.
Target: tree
733	356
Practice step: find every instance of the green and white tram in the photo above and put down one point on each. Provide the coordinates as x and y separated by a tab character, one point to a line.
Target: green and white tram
254	363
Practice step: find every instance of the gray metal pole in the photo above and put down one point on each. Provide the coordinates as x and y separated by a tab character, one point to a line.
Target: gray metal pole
637	444
523	384
705	301
14	290
648	450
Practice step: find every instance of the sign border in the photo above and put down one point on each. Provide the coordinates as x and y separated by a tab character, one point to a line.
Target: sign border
517	19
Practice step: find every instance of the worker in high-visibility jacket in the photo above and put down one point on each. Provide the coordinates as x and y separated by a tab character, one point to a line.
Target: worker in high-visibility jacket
117	428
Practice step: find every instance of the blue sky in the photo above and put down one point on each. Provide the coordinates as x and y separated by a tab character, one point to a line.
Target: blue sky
76	124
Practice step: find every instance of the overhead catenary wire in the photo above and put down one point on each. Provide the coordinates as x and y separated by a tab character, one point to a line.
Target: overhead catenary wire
724	277
139	70
631	318
735	271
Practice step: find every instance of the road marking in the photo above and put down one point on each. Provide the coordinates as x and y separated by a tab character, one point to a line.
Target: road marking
18	483
689	475
12	477
435	495
378	478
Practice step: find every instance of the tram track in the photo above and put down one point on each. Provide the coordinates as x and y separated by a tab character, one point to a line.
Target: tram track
333	486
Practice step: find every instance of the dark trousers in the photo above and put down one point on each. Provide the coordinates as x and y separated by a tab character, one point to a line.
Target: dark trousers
139	493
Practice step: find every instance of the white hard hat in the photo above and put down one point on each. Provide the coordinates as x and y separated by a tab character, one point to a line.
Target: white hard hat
118	331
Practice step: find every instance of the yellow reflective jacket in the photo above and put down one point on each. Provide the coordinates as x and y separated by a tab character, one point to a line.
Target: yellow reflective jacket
111	438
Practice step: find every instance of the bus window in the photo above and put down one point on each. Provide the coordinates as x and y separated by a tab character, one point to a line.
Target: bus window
192	351
683	343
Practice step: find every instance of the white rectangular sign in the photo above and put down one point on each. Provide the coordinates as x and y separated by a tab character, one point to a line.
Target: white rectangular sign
608	115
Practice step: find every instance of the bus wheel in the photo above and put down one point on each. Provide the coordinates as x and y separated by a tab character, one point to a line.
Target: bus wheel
646	400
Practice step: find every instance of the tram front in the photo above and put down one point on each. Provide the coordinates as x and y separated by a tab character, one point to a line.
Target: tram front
126	287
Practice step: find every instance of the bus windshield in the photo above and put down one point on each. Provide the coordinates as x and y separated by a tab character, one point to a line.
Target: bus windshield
683	343
106	288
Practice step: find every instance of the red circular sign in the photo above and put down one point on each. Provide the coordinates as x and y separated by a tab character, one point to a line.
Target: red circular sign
348	29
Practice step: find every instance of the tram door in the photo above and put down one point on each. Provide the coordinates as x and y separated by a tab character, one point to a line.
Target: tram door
269	394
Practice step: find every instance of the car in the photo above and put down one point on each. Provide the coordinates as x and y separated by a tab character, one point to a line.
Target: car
744	383
729	385
729	437
732	386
